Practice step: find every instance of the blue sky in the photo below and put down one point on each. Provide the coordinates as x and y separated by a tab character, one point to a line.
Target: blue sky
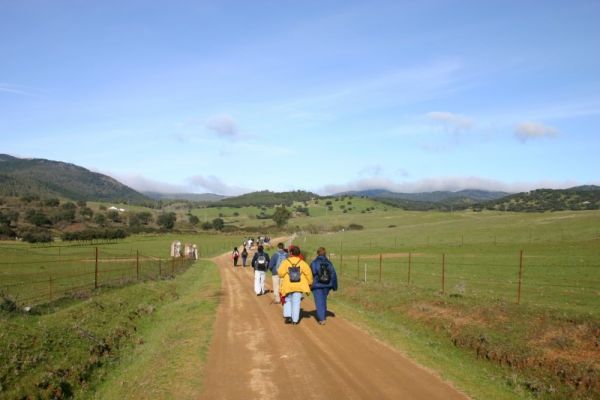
234	96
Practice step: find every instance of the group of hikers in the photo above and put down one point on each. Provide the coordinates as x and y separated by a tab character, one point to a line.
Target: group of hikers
292	278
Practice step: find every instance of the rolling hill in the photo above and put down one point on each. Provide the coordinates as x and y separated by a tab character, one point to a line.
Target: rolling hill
46	178
575	198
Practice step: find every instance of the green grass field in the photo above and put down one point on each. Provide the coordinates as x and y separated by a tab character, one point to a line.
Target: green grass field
39	274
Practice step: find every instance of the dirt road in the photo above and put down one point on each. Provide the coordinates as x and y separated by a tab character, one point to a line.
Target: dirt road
254	355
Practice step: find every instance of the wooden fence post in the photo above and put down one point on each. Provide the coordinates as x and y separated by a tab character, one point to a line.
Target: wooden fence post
443	271
380	262
96	271
358	267
520	277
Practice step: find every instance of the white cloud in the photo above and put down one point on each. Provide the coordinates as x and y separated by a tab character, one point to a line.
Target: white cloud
451	120
213	184
224	126
452	183
143	184
534	130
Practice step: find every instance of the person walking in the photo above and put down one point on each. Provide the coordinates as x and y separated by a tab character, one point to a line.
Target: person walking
296	279
244	257
274	264
324	279
235	255
260	263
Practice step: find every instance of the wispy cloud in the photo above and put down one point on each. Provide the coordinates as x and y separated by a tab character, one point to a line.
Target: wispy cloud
534	130
215	185
223	126
14	89
371	170
450	120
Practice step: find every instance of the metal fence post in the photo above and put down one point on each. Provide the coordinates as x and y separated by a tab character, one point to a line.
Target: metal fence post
409	265
520	277
96	271
443	271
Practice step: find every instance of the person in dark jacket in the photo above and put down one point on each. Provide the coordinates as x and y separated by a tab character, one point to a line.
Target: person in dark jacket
260	263
324	279
244	256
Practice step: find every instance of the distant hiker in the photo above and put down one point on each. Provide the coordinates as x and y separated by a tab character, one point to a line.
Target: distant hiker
324	279
276	261
235	255
244	257
260	263
296	279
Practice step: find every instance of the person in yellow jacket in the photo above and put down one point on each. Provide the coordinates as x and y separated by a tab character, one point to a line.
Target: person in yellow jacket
296	279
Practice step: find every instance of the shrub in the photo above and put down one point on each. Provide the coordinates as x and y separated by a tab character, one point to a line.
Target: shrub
355	227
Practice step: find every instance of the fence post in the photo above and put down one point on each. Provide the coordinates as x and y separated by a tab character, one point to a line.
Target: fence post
365	272
96	271
380	261
50	285
358	267
159	268
409	265
520	277
443	271
137	264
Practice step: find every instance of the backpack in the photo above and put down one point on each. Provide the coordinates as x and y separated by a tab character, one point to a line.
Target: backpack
261	262
280	257
244	253
324	273
294	272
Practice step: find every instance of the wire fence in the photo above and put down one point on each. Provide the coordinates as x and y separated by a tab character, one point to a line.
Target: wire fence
536	280
41	276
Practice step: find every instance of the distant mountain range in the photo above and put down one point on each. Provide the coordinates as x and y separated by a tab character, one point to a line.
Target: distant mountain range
468	195
45	178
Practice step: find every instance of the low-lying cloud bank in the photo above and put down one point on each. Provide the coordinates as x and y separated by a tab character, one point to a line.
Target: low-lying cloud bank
452	184
213	184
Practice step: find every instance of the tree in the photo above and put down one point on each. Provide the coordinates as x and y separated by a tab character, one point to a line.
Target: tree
218	224
281	216
194	220
167	220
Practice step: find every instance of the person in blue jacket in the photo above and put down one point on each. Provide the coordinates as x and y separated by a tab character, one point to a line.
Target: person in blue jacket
324	279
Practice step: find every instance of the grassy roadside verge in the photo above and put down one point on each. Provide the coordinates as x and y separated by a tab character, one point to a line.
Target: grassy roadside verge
489	350
74	348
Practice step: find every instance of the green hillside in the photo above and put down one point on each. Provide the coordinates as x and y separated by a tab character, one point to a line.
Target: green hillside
575	198
265	198
46	178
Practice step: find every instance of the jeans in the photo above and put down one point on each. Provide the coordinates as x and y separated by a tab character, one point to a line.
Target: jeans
321	302
259	282
291	308
275	279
